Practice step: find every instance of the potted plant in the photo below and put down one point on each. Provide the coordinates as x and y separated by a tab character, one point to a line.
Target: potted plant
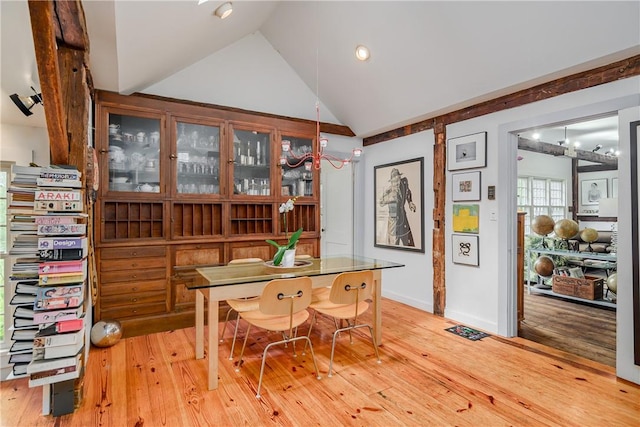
282	250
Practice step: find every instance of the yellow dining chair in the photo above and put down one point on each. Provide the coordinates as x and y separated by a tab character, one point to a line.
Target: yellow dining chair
346	300
239	305
283	307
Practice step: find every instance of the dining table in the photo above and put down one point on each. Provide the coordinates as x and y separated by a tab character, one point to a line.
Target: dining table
221	282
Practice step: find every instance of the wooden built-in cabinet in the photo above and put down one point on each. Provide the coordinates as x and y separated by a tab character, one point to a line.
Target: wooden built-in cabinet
184	184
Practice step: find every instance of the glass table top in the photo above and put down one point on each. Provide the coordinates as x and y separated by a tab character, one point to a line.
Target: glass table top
222	275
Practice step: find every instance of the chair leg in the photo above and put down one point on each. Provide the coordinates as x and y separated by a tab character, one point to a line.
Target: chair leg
351	328
226	319
293	343
244	344
313	318
235	335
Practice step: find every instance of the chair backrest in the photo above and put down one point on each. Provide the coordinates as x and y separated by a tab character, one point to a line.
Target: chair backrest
351	287
282	297
245	260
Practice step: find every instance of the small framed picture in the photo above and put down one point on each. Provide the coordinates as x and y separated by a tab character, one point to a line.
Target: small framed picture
467	152
466	218
466	186
464	249
593	190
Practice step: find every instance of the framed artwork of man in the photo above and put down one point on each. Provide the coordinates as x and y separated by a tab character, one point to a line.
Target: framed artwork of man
399	205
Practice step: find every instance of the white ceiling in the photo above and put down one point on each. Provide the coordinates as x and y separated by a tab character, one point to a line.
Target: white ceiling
428	57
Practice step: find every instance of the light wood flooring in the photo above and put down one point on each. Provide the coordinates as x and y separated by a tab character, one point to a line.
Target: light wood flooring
428	376
586	330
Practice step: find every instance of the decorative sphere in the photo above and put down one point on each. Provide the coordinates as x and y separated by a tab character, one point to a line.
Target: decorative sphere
566	228
544	266
589	235
106	333
612	283
542	225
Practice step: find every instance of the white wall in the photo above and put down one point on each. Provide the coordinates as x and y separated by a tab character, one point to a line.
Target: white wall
412	284
17	143
488	300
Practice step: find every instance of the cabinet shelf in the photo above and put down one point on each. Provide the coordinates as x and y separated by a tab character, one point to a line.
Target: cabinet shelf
605	262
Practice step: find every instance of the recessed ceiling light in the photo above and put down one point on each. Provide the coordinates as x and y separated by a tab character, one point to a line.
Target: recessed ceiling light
362	53
223	10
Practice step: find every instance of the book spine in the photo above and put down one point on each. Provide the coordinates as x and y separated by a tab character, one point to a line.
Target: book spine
57	206
64	229
40	317
54	220
57	340
47	365
61	279
61	267
58	196
54	378
58	182
52	174
57	303
62	243
62	254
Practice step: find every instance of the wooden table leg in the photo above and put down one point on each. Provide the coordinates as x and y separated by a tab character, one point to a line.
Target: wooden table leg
200	324
212	320
377	306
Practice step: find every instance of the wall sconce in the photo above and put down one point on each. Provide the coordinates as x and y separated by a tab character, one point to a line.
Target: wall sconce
26	103
599	146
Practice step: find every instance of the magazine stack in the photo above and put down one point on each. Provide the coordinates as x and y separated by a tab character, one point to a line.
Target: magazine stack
50	274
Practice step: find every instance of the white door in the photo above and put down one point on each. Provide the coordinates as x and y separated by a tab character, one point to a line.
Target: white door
336	210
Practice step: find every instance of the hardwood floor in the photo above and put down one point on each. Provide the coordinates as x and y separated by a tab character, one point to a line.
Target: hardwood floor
428	376
581	329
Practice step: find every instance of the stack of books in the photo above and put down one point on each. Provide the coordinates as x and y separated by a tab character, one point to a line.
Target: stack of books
49	273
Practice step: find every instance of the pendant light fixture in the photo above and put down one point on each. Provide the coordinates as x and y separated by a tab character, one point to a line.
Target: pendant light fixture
313	160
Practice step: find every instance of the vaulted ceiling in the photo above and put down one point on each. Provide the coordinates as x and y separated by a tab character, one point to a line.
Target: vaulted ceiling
427	57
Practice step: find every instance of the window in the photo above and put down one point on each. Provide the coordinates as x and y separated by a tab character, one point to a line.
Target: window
541	196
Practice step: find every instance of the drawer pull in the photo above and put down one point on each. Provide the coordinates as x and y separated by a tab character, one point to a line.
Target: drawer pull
134	289
134	299
134	265
134	253
135	276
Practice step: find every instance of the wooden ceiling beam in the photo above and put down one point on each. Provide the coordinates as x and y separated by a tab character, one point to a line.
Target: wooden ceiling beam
606	74
559	150
44	41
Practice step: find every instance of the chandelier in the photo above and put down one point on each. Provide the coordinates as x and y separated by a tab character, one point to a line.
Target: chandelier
312	160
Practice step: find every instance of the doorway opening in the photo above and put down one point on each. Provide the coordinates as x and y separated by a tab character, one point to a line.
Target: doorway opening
567	183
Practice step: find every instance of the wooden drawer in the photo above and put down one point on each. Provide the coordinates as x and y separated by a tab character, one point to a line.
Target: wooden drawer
199	255
131	275
134	311
133	252
132	264
138	298
110	289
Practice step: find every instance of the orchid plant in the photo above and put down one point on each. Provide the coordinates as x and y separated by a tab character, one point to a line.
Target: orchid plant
293	240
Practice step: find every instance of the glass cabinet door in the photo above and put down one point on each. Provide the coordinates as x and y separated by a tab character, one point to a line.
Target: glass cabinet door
251	162
297	169
134	153
198	158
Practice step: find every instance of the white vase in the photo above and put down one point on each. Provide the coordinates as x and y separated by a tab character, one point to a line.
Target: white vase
289	258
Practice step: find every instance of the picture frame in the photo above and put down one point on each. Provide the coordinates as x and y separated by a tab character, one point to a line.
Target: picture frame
466	186
592	190
467	152
399	205
464	249
466	218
